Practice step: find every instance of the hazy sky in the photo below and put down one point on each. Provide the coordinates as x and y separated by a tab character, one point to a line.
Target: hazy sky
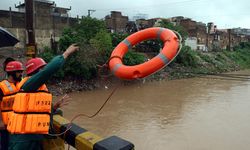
224	13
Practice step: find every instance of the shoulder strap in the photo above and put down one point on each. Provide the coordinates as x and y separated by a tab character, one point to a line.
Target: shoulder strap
20	84
43	88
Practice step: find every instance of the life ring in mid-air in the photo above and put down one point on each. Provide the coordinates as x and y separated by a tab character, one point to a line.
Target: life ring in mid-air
168	52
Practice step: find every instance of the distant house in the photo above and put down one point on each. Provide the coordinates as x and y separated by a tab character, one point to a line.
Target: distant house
191	42
116	22
195	29
201	36
241	31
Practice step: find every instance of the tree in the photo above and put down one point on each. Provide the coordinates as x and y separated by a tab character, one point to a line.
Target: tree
156	44
88	28
102	42
171	26
95	44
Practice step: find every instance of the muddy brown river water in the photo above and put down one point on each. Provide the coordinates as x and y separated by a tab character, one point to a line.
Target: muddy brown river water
187	114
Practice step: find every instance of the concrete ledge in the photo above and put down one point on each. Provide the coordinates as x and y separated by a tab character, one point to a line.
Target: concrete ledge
113	143
86	141
82	139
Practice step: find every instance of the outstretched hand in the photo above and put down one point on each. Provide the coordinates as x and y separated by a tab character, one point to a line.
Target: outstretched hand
62	102
71	49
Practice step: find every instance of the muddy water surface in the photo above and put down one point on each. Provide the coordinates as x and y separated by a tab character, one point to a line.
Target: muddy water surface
187	114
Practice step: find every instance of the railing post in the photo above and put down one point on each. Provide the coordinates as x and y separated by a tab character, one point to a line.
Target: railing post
83	139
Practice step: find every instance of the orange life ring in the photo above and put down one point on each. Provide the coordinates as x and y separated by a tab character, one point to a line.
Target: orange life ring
170	49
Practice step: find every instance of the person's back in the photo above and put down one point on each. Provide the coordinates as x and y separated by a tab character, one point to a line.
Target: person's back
33	139
33	108
8	90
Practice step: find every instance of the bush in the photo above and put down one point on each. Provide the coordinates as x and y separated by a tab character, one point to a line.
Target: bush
47	56
244	45
96	45
102	43
187	57
117	38
133	58
82	64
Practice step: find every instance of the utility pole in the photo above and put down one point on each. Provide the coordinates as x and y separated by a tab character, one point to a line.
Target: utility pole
229	39
11	22
90	11
207	33
31	45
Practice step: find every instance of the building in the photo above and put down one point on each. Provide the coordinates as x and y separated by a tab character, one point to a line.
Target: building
201	36
49	22
191	42
140	16
194	29
116	22
241	31
218	39
143	24
176	20
211	28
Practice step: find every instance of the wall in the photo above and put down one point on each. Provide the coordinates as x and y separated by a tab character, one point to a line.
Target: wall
116	22
10	19
45	26
191	42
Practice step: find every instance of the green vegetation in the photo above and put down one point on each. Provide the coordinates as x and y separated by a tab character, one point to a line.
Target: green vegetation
190	63
179	29
187	57
240	56
96	45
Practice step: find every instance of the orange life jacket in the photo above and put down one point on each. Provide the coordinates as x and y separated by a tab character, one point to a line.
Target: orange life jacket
9	90
31	111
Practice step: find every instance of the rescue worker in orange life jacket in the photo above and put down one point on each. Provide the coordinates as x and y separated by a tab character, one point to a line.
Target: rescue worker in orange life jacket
31	137
14	70
33	66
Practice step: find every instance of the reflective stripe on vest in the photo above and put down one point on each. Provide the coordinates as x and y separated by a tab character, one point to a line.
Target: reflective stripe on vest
8	86
9	90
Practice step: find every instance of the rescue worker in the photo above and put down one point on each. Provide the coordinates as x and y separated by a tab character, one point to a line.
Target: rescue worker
14	70
35	118
33	66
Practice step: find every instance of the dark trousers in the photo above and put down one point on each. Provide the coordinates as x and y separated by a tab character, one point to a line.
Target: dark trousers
4	139
29	145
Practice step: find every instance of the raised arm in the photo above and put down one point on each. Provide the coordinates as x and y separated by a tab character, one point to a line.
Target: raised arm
38	79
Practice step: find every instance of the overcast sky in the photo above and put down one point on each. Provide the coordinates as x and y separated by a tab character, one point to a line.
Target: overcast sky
224	13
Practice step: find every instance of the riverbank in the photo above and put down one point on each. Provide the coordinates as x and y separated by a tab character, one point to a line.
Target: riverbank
187	64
